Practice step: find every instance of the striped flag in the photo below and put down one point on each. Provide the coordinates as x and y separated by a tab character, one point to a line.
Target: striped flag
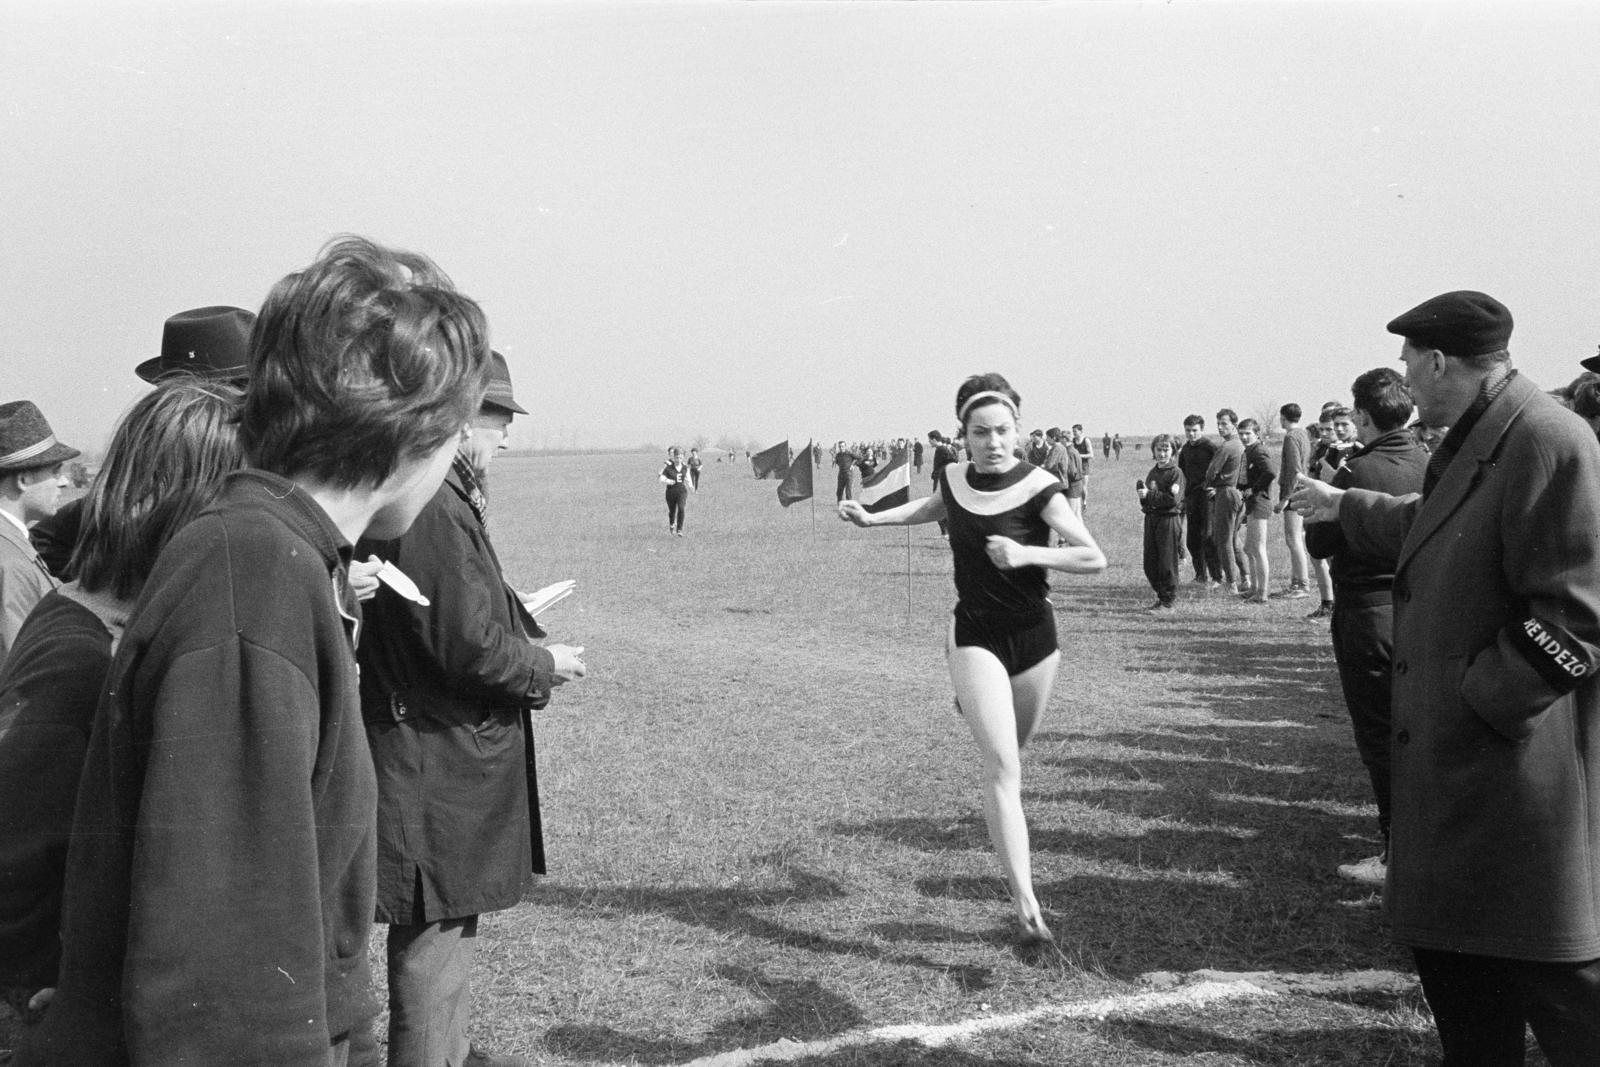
889	488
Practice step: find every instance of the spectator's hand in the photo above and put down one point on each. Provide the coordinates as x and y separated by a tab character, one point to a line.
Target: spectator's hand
569	664
852	511
1004	552
1317	501
1211	491
364	577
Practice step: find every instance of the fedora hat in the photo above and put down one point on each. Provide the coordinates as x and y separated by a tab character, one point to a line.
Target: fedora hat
26	440
209	342
499	392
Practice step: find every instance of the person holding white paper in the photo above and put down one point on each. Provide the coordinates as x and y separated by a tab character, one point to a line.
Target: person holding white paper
449	675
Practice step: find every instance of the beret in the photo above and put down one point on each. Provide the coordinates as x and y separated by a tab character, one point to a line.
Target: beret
1460	323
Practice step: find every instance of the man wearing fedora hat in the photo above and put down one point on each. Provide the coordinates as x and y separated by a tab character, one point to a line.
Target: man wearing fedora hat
446	688
1493	878
31	480
212	343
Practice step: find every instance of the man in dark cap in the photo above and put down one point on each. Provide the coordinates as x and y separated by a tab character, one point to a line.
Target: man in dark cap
31	480
212	343
446	689
1494	861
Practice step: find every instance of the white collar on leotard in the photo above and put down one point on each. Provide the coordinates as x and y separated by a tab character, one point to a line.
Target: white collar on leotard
982	503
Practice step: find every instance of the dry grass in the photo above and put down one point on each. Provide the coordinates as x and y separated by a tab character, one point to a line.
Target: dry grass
763	821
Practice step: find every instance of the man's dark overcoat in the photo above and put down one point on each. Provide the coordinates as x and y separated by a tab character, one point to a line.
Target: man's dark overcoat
445	691
1495	846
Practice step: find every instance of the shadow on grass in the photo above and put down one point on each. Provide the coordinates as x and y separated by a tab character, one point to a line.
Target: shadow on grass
797	1011
914	1054
735	911
1329	1046
1202	841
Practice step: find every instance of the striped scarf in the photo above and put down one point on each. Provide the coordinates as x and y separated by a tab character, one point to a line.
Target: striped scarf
1493	384
474	487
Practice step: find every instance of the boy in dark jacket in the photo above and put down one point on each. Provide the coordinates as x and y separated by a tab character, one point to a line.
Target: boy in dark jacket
1161	497
1390	461
220	878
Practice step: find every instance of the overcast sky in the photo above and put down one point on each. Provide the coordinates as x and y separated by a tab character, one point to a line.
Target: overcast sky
786	220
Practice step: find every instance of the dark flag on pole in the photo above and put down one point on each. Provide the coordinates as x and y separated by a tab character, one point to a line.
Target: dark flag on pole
771	463
797	483
889	488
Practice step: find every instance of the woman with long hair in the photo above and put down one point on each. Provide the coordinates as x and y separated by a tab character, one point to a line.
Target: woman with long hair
165	464
1002	647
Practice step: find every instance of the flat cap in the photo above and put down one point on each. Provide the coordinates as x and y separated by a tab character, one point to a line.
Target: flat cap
1592	363
1460	323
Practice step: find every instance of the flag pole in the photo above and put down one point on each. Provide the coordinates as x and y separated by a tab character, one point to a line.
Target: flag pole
908	576
811	459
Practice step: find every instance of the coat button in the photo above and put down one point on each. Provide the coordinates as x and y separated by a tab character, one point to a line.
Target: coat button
1404	737
1400	666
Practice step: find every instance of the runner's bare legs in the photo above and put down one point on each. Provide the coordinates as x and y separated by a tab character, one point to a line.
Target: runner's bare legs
1003	714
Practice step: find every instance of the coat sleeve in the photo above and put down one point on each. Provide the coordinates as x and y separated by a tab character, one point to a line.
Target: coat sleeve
1550	527
469	638
225	959
1375	524
1324	540
22	585
1157	499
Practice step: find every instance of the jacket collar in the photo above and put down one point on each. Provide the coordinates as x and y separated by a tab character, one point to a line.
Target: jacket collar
10	532
1398	440
1476	454
294	506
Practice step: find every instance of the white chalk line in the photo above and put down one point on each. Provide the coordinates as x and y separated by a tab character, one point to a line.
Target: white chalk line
1190	990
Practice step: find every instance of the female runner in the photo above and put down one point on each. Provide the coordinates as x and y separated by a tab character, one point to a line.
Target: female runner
1002	645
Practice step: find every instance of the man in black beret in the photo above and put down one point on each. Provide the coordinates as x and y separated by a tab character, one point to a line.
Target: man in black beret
1494	861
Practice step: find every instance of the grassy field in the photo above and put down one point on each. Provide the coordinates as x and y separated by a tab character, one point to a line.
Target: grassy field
763	820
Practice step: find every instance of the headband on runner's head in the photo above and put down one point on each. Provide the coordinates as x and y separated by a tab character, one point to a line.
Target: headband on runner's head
987	394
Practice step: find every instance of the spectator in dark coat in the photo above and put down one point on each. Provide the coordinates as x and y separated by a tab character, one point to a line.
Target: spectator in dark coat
1389	461
446	690
220	880
1492	879
1194	459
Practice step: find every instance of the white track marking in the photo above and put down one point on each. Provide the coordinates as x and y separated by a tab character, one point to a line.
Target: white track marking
1172	991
